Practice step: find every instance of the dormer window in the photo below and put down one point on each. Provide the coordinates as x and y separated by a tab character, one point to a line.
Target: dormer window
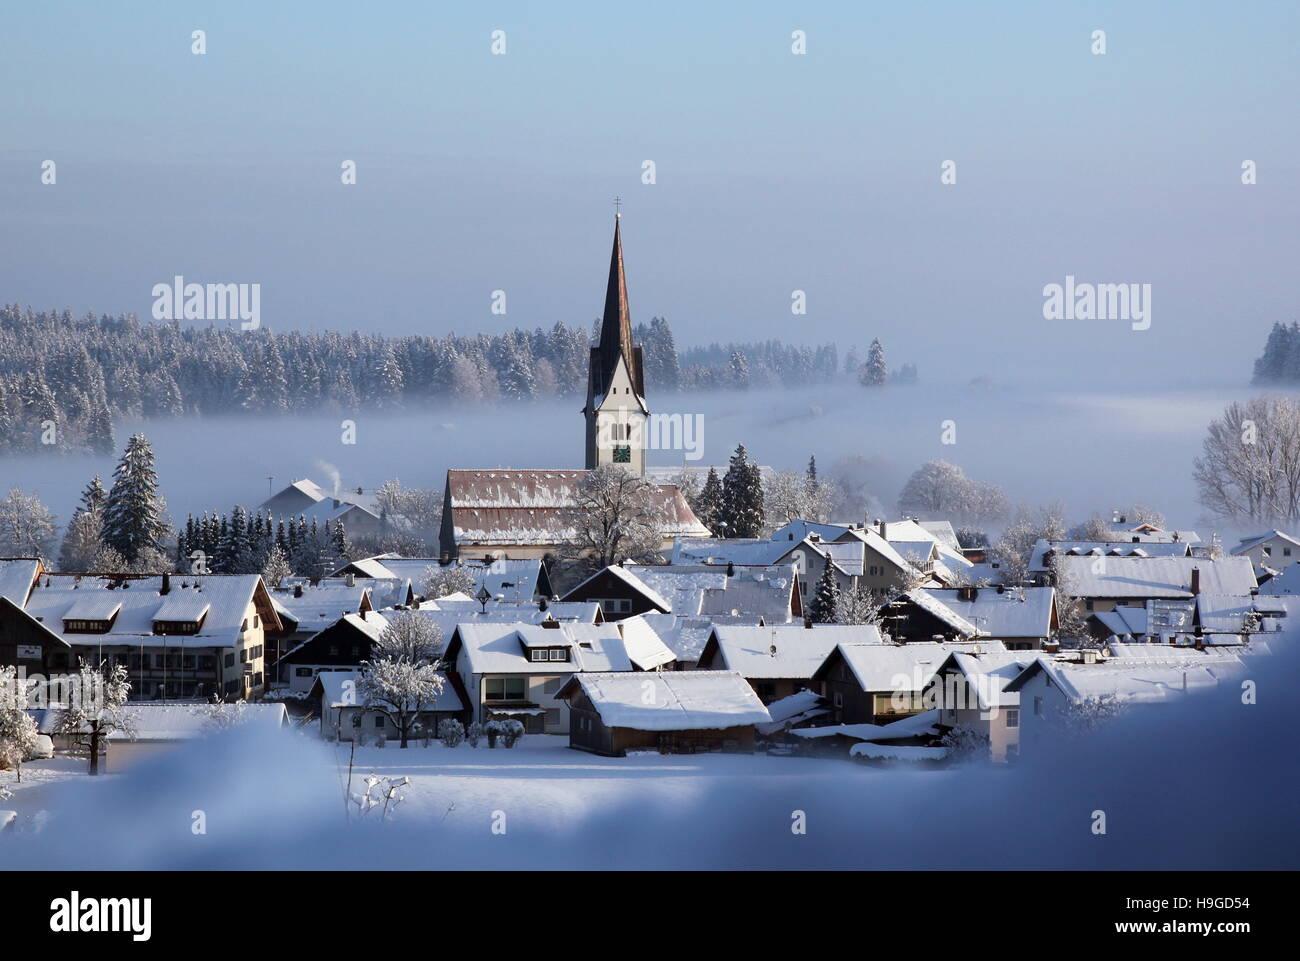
539	654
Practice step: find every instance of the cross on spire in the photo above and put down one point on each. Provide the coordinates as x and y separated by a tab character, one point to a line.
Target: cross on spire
618	203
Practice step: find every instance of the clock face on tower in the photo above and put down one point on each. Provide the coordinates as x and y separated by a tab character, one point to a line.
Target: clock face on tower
622	454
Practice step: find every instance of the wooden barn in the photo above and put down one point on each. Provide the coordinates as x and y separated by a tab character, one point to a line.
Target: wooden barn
673	712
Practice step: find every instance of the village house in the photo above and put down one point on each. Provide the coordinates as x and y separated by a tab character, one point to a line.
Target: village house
1271	553
1023	618
968	692
1054	695
779	661
770	592
515	580
672	712
305	498
180	637
513	671
879	683
24	641
339	702
1039	568
1104	583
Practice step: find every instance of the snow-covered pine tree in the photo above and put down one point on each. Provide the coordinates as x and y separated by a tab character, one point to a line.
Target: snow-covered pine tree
742	497
708	504
134	510
825	605
875	371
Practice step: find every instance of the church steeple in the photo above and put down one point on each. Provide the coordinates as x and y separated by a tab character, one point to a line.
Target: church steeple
616	409
616	326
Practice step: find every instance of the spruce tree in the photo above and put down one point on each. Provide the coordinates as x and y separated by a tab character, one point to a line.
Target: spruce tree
708	506
134	510
742	497
875	371
826	601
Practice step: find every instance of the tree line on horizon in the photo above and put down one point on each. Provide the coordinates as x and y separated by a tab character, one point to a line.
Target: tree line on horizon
63	380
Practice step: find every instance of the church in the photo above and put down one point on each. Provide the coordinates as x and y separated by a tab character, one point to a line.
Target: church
504	512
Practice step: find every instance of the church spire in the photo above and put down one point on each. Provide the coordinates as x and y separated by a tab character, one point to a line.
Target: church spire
616	326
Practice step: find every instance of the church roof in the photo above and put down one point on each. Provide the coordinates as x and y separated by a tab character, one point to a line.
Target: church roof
535	506
616	329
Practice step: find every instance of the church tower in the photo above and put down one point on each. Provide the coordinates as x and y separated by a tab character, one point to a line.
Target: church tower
616	410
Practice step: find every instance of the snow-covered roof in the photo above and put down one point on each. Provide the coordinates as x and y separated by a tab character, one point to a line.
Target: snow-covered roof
1287	581
785	651
902	667
513	579
644	647
137	602
1163	653
914	725
17	575
632	582
987	674
1246	543
670	700
491	507
1224	613
323	603
501	648
897	752
802	705
1145	681
335	692
685	635
1039	561
1147	577
707	589
995	612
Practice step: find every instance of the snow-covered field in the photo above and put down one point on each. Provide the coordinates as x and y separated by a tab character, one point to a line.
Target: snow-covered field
1209	782
542	783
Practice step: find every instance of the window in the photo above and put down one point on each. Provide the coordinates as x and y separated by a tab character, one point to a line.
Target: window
1286	552
379	720
230	660
1038	707
839	700
356	720
505	688
537	654
302	672
1013	717
1268	551
559	654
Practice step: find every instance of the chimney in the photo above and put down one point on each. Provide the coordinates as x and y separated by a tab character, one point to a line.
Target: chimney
1196	581
967	592
166	584
297	590
807	623
351	580
882	527
731	569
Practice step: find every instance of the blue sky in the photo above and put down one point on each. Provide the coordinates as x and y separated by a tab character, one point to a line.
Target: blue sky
775	172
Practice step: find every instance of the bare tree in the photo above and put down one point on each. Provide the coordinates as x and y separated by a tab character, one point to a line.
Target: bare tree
452	579
1249	468
402	678
938	489
1013	549
96	708
617	516
27	528
788	496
